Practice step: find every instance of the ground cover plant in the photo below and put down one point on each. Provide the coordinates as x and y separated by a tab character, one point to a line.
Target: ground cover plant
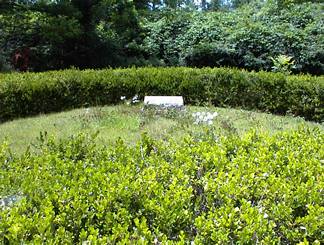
258	188
33	93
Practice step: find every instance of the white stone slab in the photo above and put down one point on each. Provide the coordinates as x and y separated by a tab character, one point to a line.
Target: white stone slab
167	101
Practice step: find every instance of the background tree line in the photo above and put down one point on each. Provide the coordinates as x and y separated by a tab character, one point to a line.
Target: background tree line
248	34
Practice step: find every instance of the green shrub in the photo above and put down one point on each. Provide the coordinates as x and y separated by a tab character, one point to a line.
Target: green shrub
33	93
211	55
4	65
245	37
255	189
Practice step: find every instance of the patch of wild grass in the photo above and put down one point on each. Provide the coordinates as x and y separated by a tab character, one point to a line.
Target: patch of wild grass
128	122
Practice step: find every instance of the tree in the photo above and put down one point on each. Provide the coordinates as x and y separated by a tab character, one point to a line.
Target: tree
69	32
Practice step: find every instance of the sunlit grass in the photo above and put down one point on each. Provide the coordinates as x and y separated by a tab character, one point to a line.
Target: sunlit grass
129	122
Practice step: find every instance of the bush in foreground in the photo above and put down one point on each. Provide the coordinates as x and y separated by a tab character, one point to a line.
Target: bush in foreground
33	93
255	189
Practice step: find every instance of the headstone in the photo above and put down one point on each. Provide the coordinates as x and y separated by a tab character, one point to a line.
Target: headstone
164	101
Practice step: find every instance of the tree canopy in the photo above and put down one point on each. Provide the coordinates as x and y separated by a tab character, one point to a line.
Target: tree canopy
102	33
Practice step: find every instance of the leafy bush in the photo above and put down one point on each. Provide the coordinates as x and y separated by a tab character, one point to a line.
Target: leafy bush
255	189
249	36
4	66
211	55
34	93
283	63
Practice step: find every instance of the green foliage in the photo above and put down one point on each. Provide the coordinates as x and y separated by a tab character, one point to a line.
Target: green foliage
255	189
246	37
209	55
283	63
109	33
65	33
34	93
43	33
161	40
4	66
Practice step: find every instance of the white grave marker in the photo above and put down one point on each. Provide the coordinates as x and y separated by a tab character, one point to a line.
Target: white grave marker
165	101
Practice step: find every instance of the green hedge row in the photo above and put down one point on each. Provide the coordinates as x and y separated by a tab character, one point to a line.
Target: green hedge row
32	93
258	189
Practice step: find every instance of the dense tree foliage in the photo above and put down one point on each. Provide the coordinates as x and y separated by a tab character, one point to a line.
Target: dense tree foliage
247	37
102	33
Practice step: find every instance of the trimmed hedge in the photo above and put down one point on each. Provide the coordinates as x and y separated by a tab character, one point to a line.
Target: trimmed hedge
27	94
258	189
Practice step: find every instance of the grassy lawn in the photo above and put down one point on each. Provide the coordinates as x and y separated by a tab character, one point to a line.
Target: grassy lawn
129	122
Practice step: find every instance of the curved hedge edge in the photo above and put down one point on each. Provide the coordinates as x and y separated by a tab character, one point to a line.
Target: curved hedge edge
28	94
